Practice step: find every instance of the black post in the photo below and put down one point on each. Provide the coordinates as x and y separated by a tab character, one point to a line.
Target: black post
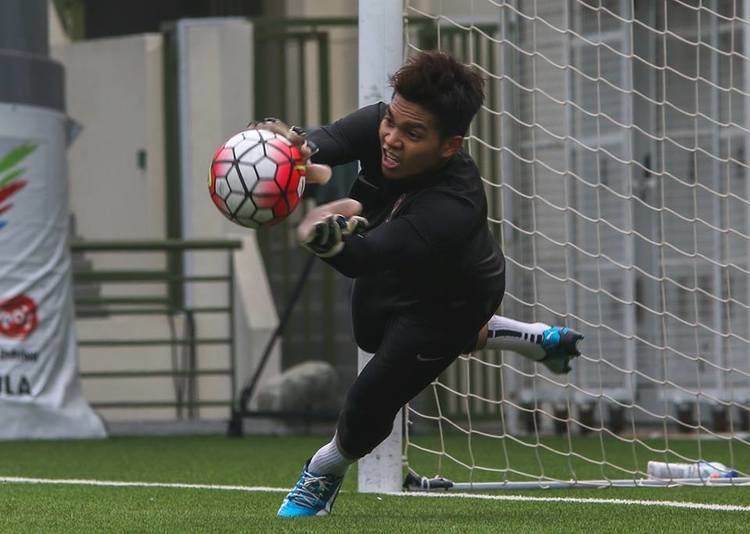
27	75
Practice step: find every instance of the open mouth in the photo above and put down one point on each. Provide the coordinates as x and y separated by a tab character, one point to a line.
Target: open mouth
389	159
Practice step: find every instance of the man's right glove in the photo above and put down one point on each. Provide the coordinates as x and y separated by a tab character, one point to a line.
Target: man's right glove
315	173
326	237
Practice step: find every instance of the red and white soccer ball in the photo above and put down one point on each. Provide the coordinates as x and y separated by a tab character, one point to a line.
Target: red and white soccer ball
256	178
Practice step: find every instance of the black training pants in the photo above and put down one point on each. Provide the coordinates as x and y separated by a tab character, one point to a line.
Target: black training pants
409	355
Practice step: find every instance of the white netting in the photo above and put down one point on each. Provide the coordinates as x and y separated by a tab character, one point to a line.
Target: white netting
614	146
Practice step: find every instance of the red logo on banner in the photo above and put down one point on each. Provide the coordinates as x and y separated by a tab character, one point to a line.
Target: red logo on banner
18	317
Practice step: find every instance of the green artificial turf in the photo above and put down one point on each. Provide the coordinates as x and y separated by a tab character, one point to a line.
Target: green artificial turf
275	462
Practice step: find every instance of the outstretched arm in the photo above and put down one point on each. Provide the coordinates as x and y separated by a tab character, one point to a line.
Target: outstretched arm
351	138
315	173
434	226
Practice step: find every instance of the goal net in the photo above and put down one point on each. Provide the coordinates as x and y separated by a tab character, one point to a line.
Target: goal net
614	147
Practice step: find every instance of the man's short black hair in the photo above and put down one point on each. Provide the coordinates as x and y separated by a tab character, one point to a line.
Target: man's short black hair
450	90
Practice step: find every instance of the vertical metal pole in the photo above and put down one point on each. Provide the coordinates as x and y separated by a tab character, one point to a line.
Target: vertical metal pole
173	163
381	43
324	60
232	331
507	67
570	182
644	221
628	7
186	167
717	208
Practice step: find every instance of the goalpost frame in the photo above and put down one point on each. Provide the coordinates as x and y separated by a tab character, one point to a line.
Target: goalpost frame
381	51
641	153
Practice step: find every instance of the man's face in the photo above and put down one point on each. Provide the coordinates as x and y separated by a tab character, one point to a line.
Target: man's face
410	141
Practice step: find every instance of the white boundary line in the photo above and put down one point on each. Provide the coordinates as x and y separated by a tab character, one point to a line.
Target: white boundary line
124	484
518	498
589	500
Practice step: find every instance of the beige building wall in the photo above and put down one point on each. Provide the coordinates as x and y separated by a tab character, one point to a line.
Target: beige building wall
115	91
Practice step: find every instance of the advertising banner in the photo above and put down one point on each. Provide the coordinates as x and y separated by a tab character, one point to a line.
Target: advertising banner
40	393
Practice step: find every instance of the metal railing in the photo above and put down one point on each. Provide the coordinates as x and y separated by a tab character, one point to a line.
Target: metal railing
156	292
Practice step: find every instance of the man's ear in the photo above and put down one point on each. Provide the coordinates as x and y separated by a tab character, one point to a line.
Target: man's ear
450	146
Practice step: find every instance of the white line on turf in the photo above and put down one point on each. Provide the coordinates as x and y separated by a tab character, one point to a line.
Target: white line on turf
588	500
125	484
520	498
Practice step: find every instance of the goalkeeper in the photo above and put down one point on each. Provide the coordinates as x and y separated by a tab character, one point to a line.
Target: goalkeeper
428	274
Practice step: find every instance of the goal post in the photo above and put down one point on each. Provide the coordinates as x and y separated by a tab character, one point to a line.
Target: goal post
381	51
615	152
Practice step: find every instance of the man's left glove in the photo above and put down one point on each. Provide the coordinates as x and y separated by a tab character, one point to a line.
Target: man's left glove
326	237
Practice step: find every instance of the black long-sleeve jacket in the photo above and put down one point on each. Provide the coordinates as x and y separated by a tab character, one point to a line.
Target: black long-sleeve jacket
428	252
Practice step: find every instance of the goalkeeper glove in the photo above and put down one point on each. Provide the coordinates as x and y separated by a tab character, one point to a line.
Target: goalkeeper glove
315	173
326	237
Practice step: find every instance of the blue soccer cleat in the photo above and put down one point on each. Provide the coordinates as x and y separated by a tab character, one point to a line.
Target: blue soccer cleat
560	345
313	495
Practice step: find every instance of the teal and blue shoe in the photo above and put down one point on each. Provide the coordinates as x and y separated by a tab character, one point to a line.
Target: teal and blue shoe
313	495
560	345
